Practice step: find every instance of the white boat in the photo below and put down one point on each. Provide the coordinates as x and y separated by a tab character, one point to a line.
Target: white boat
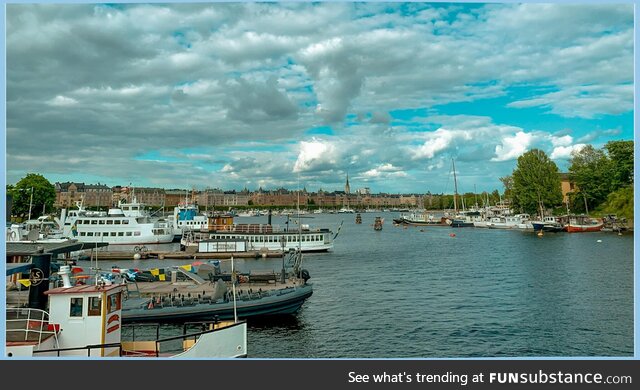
262	236
186	217
317	211
129	223
86	321
346	210
36	230
510	222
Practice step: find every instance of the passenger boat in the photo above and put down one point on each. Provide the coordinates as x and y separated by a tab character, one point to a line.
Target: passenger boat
88	321
262	236
582	223
129	223
508	222
358	219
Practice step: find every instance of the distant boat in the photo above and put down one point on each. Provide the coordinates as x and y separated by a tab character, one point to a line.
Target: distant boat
582	223
377	224
547	224
421	219
358	219
346	210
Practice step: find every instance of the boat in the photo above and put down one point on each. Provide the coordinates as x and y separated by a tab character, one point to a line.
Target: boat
358	219
583	223
508	222
87	321
129	223
547	224
614	224
347	209
421	218
43	228
377	223
259	294
262	236
186	217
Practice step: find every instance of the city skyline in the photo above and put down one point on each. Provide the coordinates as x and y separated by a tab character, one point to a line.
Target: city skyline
293	95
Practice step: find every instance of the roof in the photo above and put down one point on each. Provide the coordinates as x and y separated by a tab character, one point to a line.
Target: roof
31	248
83	289
18	268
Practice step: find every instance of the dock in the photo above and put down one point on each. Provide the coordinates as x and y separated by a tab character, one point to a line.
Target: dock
162	255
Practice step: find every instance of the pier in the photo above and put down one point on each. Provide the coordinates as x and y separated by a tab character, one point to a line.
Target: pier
161	255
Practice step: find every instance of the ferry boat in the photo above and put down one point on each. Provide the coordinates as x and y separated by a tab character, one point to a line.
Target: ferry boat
127	224
261	236
582	223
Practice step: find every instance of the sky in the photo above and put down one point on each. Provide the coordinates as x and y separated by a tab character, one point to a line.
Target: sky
249	95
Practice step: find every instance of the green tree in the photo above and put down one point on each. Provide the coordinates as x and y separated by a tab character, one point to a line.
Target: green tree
507	182
33	192
536	182
621	156
591	171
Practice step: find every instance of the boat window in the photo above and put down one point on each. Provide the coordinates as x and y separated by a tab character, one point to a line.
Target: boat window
94	222
82	234
104	234
117	222
125	208
136	233
101	222
125	222
75	309
128	234
113	234
113	302
90	234
120	234
109	222
95	306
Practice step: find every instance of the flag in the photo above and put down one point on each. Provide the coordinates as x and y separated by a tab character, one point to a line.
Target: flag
25	282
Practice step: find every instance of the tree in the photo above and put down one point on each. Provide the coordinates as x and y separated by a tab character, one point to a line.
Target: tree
591	171
536	182
621	156
43	192
507	182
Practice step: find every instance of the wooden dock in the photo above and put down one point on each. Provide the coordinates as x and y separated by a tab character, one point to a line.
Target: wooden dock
162	255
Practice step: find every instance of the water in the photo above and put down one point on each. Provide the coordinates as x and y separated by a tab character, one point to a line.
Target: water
420	293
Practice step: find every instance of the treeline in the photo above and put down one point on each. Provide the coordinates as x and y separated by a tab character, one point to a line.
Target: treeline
601	182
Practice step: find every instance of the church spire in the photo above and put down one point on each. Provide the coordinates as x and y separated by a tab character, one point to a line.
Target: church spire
347	189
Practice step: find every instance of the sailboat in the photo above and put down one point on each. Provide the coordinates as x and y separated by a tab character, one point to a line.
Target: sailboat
461	218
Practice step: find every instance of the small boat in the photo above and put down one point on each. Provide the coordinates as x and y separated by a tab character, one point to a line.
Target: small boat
377	224
358	219
87	321
547	224
421	219
582	223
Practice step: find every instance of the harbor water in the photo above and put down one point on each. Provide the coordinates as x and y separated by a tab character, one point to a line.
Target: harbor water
441	292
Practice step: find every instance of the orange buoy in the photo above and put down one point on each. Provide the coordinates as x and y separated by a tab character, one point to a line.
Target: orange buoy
452	234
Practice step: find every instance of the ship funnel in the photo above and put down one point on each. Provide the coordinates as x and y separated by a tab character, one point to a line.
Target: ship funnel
64	272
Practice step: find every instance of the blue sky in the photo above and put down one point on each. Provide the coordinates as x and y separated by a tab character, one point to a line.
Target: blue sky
235	95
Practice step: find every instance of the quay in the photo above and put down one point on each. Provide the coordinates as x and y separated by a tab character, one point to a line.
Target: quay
161	255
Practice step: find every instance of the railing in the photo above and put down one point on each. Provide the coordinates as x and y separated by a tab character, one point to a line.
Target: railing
30	322
89	348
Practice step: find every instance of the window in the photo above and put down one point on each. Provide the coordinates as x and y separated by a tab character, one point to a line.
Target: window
101	222
128	234
120	234
109	222
75	309
104	234
95	306
136	233
82	234
117	222
125	222
113	302
94	222
90	234
113	234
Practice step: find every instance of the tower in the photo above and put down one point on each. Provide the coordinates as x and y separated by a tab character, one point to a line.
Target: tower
347	189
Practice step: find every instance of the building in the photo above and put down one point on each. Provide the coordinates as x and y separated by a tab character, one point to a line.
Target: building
91	195
567	186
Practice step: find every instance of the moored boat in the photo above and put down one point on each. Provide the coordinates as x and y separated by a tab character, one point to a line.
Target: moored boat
583	223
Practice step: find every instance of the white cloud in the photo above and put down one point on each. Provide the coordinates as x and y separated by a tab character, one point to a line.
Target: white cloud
316	155
564	152
512	147
62	101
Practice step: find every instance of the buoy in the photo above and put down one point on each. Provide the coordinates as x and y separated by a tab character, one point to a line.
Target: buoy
619	233
599	241
452	235
422	230
136	256
540	234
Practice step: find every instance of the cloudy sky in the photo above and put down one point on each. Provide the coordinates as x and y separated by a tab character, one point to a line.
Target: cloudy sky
235	95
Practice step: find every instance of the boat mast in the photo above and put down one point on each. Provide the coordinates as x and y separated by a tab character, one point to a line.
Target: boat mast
455	184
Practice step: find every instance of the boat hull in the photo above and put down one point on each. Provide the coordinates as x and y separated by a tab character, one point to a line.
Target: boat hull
584	228
289	301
